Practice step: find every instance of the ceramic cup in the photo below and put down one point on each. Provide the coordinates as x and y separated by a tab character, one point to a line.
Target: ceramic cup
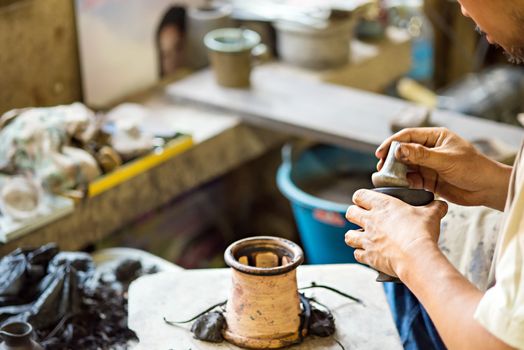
232	53
200	21
18	336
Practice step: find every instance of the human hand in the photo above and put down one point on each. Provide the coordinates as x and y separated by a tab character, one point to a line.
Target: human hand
392	231
442	162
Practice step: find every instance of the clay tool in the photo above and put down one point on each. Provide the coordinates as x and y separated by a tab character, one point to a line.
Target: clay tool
392	180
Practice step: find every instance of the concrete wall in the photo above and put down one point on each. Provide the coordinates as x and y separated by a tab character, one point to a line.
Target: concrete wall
38	53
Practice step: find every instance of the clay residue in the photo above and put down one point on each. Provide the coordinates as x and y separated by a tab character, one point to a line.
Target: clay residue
338	188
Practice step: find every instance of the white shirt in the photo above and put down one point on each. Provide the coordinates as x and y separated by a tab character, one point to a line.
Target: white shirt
501	309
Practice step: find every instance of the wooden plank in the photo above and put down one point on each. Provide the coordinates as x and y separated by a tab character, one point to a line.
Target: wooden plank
181	295
283	101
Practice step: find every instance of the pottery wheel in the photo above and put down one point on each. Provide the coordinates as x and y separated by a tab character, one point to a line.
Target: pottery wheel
181	295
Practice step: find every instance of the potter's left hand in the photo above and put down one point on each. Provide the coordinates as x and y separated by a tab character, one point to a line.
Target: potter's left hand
392	230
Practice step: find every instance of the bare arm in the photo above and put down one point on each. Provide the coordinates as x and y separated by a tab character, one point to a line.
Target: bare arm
449	298
401	240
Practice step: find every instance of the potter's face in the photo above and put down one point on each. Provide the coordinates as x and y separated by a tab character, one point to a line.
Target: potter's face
502	21
170	43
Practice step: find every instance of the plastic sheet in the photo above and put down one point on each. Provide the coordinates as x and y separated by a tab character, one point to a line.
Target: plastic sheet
68	304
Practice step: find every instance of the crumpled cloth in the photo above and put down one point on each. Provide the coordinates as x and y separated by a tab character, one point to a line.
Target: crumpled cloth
40	141
468	236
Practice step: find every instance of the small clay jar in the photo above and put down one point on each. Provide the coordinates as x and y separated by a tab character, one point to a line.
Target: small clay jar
232	53
18	336
263	309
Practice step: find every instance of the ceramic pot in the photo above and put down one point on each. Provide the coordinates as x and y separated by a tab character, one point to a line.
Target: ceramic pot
233	52
202	20
263	309
18	336
315	48
21	198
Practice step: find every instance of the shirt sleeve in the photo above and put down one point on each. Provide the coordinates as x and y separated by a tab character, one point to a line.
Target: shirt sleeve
501	310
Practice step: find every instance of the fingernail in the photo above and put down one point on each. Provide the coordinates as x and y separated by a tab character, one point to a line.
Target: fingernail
404	151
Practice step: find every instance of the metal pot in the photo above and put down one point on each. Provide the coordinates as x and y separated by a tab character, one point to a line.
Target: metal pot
316	48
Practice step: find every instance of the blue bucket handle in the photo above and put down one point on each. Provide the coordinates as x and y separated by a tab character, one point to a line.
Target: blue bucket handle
291	151
287	154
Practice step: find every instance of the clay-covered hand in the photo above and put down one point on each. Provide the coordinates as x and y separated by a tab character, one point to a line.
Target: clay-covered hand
449	166
392	231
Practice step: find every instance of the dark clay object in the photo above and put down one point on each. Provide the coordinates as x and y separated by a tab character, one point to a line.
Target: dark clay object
413	197
128	270
18	336
321	323
208	327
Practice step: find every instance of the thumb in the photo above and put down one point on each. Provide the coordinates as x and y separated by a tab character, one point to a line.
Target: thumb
416	154
440	207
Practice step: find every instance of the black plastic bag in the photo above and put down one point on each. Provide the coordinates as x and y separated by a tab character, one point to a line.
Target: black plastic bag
42	286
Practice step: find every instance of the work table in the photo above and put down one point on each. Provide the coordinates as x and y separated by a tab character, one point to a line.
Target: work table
182	294
281	100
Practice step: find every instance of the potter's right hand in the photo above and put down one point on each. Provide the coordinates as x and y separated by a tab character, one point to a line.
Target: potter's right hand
442	162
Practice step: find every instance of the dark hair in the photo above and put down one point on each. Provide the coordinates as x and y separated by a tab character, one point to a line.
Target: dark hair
174	16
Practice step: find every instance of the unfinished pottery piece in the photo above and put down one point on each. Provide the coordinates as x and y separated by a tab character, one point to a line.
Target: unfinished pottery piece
200	21
20	198
392	180
18	336
108	159
233	52
393	173
263	309
315	47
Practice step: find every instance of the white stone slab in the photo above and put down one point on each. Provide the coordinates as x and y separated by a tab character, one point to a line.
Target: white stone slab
325	112
181	295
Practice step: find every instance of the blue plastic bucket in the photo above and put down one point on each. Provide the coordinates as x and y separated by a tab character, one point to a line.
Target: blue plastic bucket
321	222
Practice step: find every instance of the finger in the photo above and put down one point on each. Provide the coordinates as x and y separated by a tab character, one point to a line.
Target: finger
457	195
424	136
380	164
357	215
360	256
415	154
430	179
439	207
415	180
368	199
355	239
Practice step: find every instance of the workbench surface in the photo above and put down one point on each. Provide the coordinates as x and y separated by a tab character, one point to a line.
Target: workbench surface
181	295
283	100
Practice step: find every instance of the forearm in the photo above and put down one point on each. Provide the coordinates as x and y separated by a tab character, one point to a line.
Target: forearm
498	184
449	298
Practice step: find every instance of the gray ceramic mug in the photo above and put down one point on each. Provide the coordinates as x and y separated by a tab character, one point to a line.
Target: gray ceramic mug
233	52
